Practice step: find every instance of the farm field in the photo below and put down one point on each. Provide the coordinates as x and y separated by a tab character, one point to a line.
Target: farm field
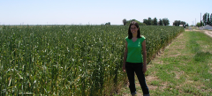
184	68
70	60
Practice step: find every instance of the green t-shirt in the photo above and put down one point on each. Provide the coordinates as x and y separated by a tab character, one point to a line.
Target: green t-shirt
134	54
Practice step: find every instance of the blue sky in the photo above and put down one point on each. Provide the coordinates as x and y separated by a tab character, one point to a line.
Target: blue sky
99	11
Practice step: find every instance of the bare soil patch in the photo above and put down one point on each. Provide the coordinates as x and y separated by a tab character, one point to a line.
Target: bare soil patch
209	33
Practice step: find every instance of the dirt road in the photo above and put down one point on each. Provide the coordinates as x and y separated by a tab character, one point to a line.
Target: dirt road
209	33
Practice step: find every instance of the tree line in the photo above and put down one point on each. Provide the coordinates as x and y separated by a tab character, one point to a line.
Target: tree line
154	21
206	20
178	23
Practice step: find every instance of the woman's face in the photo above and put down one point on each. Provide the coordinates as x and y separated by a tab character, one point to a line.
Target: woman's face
133	29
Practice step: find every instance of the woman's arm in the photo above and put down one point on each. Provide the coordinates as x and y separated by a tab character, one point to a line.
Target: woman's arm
125	56
144	56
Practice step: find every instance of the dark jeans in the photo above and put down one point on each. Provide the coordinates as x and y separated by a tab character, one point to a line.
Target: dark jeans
137	68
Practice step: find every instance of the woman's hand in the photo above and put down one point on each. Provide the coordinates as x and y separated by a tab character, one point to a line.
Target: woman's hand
144	69
123	68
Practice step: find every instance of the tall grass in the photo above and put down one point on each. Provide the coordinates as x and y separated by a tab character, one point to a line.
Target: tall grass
69	60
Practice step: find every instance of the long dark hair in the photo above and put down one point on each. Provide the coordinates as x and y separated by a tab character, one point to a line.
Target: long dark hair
129	31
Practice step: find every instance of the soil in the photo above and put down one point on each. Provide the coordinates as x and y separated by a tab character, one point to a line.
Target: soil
209	33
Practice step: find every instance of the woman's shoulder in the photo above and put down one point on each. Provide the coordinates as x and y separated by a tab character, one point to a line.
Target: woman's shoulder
126	38
143	37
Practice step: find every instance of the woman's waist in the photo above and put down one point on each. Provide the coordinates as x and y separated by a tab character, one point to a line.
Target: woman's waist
134	62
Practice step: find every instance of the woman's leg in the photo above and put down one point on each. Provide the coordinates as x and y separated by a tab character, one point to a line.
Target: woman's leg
141	79
131	77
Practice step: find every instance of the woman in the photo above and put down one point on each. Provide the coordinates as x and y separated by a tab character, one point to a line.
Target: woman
134	61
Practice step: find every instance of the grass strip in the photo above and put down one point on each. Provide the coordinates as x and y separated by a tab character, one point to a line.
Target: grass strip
184	68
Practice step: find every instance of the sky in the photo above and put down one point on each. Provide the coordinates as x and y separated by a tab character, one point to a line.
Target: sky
96	12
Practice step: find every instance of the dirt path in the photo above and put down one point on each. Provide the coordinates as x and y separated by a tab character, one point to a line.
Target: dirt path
209	33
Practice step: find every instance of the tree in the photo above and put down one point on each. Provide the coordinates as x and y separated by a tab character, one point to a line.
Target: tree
124	21
201	23
206	18
160	22
107	23
198	24
211	19
145	21
149	21
182	23
165	21
176	23
155	22
139	23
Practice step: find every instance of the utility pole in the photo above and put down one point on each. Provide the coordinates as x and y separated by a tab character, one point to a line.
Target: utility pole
200	17
195	22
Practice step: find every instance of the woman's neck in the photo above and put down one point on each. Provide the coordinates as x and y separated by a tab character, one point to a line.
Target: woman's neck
134	35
